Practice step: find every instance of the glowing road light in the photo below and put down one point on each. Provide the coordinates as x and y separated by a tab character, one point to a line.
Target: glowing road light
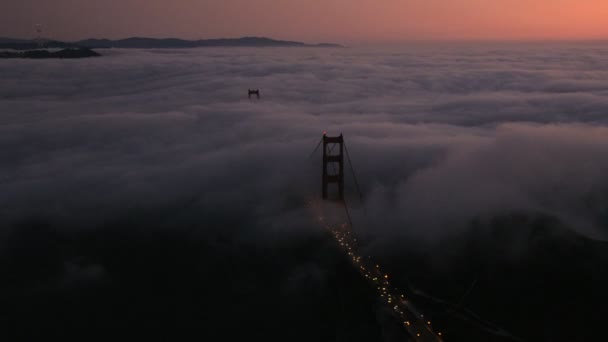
345	238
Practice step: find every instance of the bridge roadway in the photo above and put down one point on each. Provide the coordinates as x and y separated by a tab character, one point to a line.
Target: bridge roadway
419	327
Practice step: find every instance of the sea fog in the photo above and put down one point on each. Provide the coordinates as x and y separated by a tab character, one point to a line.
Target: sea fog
165	145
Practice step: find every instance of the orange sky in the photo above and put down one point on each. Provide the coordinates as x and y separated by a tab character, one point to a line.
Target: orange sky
310	20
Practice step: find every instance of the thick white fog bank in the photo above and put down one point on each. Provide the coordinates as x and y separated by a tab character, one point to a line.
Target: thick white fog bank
439	135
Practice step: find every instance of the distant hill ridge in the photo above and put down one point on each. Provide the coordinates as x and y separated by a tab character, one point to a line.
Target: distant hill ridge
158	43
69	53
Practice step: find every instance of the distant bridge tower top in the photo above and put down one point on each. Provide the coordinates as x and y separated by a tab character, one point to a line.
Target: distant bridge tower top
255	92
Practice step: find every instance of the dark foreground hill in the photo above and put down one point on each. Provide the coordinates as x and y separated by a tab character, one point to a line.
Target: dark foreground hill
178	286
41	54
156	43
511	278
521	276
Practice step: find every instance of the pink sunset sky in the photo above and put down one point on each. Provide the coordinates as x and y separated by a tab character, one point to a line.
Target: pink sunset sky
339	21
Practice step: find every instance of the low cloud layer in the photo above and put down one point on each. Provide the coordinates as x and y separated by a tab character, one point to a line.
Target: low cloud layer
439	134
122	173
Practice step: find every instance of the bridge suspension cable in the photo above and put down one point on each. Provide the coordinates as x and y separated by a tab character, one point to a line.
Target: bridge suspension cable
352	170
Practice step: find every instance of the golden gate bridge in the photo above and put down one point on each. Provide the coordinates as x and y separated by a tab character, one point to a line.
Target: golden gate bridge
419	327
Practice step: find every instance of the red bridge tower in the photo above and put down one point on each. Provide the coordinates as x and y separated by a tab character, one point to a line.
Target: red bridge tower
335	175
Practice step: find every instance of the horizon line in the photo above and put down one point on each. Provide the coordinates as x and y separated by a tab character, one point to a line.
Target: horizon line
362	42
